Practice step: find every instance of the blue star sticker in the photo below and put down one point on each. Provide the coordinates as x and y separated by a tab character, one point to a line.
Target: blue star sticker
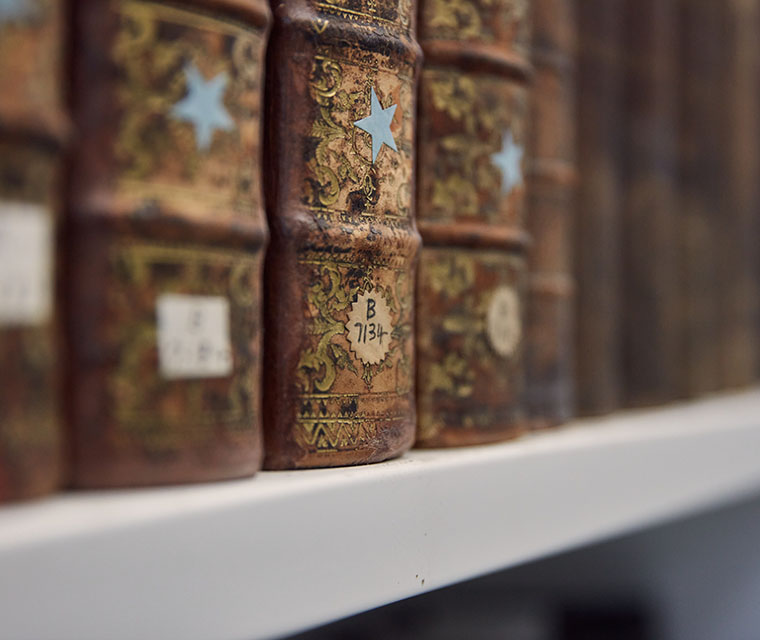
15	10
509	160
378	125
203	106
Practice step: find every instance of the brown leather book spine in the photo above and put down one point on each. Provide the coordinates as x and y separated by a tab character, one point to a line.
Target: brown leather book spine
31	136
551	187
339	387
165	241
473	111
702	132
740	258
651	329
599	206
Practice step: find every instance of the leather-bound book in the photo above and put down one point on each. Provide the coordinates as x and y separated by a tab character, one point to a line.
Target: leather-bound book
552	180
165	241
740	284
599	206
339	384
32	128
473	110
702	130
651	329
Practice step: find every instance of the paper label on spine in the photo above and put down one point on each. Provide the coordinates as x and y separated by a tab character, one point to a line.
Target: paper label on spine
194	336
26	249
369	328
504	321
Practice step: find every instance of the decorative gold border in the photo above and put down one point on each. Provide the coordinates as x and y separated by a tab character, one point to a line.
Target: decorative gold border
352	14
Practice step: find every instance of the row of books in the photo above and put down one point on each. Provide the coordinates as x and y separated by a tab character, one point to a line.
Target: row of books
668	210
312	233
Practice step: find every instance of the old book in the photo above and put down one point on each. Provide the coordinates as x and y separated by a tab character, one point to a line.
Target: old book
599	206
552	179
474	109
32	128
165	241
339	387
740	258
651	329
702	192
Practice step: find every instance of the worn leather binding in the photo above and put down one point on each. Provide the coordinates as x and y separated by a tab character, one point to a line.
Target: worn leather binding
651	329
473	112
165	241
32	132
703	187
599	206
339	387
552	181
740	259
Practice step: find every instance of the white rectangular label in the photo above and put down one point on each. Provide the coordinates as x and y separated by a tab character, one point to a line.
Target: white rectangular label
26	264
194	336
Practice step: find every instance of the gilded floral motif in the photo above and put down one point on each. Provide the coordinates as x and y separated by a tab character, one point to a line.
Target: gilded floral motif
160	413
463	381
334	288
465	119
343	399
486	21
159	50
342	179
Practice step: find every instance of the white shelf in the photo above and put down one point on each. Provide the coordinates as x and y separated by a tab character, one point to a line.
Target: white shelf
289	550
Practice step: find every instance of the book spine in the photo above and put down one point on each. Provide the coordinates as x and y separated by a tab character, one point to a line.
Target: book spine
651	332
32	131
740	284
599	207
702	186
551	187
474	109
339	388
165	240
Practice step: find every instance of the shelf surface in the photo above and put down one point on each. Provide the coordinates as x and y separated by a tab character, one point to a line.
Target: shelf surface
289	550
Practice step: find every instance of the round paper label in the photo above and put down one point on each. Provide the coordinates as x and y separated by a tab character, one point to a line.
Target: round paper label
503	322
